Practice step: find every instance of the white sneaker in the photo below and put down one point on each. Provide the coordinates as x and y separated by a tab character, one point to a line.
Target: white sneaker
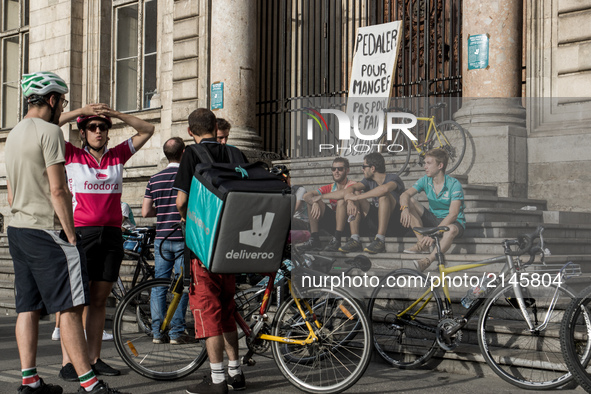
107	336
56	334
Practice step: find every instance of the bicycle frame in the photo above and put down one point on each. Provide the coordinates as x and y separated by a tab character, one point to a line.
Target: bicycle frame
432	128
263	310
178	288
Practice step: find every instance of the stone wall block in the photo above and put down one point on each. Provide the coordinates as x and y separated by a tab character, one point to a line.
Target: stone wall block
564	185
182	109
185	69
180	129
186	8
186	49
184	90
186	29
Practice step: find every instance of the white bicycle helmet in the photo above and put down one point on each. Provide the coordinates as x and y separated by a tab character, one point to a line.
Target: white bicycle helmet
42	83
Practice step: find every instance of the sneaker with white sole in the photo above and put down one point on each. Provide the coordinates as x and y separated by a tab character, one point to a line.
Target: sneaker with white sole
107	336
55	336
418	248
422	264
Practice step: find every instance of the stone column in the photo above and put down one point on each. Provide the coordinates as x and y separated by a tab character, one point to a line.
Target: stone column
234	62
492	111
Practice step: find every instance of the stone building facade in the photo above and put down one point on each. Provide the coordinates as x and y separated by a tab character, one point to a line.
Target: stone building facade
157	59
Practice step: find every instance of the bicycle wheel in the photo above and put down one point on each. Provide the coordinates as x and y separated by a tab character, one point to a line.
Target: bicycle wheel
527	359
133	337
343	350
575	332
399	148
405	340
454	143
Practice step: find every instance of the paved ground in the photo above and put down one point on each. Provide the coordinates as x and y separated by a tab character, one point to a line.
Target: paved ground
262	378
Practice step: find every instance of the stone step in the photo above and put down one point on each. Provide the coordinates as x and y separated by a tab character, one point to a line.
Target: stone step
512	230
502	215
479	246
6	289
7	305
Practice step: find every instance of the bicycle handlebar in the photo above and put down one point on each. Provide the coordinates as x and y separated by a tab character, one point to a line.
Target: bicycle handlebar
526	244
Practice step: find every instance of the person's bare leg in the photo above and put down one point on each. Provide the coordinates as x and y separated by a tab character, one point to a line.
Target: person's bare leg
355	224
314	227
215	349
73	341
27	333
416	210
385	209
231	345
95	320
65	357
341	215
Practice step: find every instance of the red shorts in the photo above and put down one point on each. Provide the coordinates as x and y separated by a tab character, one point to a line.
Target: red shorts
211	298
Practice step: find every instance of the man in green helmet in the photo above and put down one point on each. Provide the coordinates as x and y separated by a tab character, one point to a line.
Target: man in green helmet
41	205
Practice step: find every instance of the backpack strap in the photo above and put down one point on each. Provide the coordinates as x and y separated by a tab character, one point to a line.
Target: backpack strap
235	155
202	153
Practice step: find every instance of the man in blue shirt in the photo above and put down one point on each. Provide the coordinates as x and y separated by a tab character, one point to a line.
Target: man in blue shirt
446	207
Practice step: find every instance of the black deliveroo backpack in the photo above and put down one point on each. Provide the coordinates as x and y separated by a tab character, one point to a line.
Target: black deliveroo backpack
238	214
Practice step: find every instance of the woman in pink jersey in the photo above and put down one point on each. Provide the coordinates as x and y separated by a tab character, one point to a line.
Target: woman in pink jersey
95	177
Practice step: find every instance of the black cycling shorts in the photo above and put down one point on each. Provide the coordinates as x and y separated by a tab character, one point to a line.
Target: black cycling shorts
104	252
430	220
50	273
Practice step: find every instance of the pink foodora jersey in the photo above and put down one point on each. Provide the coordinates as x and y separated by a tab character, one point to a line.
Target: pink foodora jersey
96	187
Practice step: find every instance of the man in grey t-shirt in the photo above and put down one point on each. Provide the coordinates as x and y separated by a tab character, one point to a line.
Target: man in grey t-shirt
41	205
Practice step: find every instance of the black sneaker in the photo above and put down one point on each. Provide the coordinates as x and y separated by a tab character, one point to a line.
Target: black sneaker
310	245
183	339
101	368
352	245
376	246
100	388
207	386
333	245
43	389
68	373
237	383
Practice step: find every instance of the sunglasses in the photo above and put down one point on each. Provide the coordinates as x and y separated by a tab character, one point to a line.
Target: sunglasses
365	166
333	169
93	126
64	103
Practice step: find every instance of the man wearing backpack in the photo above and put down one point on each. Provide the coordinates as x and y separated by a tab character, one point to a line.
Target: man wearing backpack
211	296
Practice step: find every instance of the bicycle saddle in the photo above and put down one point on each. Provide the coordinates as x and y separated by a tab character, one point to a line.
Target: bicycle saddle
429	231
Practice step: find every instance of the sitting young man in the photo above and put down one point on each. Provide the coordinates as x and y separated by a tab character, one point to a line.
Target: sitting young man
381	216
446	207
331	217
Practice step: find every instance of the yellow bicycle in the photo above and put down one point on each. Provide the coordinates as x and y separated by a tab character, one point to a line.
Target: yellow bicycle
447	135
321	338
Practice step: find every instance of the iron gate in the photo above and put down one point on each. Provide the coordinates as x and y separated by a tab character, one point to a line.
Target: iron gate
306	49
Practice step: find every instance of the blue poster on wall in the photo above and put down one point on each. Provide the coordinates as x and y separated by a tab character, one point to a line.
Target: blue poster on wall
217	95
478	51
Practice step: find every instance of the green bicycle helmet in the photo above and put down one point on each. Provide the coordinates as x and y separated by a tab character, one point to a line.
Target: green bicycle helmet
43	82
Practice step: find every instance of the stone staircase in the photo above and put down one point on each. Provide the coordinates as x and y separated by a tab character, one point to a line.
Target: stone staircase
490	219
